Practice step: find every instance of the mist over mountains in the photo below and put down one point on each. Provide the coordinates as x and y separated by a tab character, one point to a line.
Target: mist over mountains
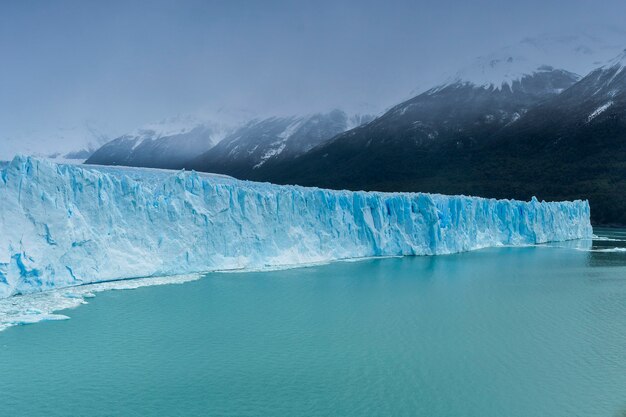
367	79
236	149
544	117
509	125
494	142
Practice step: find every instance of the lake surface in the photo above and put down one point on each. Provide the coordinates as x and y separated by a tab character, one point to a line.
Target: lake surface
534	331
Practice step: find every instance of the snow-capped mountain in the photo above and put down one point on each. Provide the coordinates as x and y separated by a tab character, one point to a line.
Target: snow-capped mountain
499	72
228	148
165	144
509	124
579	51
575	143
457	117
604	87
267	141
548	134
481	98
492	92
589	116
596	99
461	112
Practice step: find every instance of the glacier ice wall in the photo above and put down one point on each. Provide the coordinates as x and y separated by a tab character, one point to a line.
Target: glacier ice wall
63	225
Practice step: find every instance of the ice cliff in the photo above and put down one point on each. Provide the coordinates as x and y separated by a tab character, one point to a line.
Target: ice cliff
63	225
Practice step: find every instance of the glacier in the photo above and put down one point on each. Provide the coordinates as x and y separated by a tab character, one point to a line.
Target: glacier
68	225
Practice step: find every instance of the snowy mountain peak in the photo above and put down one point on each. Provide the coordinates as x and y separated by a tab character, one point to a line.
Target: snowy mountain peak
496	71
262	141
578	53
166	127
619	61
167	143
177	126
608	80
501	71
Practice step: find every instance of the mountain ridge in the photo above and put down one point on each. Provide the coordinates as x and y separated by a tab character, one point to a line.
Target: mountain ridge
569	145
532	129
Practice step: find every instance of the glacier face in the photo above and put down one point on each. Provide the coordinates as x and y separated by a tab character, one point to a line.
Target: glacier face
63	225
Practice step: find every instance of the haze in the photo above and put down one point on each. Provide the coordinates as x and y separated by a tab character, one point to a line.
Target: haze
109	67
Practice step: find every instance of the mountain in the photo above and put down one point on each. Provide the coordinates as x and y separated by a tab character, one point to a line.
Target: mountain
167	144
460	115
597	99
579	51
546	134
226	149
573	145
509	125
267	142
463	110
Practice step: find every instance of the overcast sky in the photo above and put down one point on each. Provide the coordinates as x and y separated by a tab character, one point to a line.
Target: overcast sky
120	64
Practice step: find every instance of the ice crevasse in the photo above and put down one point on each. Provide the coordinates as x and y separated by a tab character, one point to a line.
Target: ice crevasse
64	225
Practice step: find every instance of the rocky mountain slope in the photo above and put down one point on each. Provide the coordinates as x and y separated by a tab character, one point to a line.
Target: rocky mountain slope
167	144
262	143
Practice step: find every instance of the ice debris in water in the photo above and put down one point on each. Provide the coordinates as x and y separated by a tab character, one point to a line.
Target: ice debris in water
33	308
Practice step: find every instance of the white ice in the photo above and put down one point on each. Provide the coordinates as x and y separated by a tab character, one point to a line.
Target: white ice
63	225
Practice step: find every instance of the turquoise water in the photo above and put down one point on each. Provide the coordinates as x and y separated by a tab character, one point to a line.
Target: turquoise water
536	331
